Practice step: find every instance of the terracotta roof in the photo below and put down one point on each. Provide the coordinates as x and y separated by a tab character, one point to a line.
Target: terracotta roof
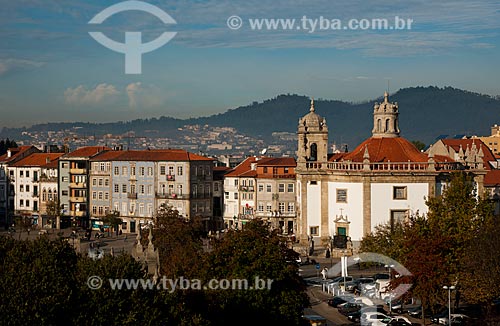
150	155
278	161
455	144
38	159
15	152
244	169
87	151
492	178
384	150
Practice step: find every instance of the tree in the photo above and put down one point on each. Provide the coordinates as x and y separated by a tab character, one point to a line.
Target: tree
418	144
436	248
251	253
113	219
53	210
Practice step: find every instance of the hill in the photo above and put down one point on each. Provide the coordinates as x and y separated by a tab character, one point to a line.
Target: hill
425	113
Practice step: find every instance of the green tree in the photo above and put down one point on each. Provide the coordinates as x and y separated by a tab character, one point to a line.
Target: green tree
37	282
250	253
113	219
418	144
53	210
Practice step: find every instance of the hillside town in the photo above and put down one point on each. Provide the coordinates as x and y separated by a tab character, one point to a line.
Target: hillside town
331	199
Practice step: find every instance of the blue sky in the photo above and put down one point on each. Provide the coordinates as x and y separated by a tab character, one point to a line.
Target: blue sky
52	70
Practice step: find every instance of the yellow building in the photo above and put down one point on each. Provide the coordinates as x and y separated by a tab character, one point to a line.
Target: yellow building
493	141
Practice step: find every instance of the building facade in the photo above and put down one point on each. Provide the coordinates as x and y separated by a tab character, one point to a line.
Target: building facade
383	180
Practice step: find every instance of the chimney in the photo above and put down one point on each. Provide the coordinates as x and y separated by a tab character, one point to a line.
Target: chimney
9	153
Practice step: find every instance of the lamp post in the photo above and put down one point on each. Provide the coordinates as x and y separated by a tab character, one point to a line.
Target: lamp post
449	288
390	294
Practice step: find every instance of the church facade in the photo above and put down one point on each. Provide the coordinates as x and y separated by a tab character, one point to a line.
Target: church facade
385	179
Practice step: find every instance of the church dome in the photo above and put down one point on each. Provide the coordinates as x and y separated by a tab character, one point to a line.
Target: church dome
312	120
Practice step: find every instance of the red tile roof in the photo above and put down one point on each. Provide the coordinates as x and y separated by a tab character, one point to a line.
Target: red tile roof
38	159
150	155
87	151
244	169
455	144
278	161
384	150
15	153
492	178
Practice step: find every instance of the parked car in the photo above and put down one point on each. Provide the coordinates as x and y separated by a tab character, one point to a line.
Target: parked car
436	317
400	322
349	307
456	319
337	300
381	276
373	318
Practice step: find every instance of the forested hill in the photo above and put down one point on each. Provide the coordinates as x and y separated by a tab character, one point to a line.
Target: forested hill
425	113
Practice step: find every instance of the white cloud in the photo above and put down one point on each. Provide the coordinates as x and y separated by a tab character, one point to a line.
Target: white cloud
10	64
145	96
82	95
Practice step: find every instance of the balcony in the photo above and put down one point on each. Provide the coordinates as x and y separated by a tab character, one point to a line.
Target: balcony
77	199
77	213
77	171
78	185
132	195
247	188
170	177
170	196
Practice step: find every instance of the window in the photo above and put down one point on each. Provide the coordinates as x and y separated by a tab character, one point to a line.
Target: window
142	171
100	182
142	188
149	192
236	182
27	175
290	187
150	171
235	195
64	192
244	196
260	207
286	170
117	170
94	181
162	169
102	167
21	203
117	188
314	183
124	188
21	188
268	188
106	195
179	170
124	170
265	169
100	195
64	165
64	179
398	217
281	187
132	170
216	186
100	210
27	203
261	188
341	195
399	192
269	208
94	210
94	195
281	207
250	196
314	230
291	207
106	182
226	195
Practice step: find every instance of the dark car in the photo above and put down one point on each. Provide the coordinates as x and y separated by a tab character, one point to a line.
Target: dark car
349	308
441	314
335	301
395	322
381	276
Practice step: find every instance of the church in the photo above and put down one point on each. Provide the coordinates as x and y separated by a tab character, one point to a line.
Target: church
383	180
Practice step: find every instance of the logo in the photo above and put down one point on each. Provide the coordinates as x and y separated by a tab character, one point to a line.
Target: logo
133	48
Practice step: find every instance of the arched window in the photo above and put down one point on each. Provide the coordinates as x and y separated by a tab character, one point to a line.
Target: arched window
379	125
314	152
44	194
50	194
386	125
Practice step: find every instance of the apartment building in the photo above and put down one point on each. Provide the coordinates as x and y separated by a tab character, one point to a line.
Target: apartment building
73	185
26	182
7	190
142	181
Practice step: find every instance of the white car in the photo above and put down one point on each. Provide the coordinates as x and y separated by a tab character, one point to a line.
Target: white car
373	318
454	317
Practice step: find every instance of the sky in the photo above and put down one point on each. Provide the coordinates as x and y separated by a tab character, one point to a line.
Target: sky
51	69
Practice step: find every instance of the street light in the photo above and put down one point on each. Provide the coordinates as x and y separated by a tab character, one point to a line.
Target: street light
390	294
449	288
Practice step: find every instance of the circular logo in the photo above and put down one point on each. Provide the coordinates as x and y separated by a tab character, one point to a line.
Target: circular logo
94	282
234	22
